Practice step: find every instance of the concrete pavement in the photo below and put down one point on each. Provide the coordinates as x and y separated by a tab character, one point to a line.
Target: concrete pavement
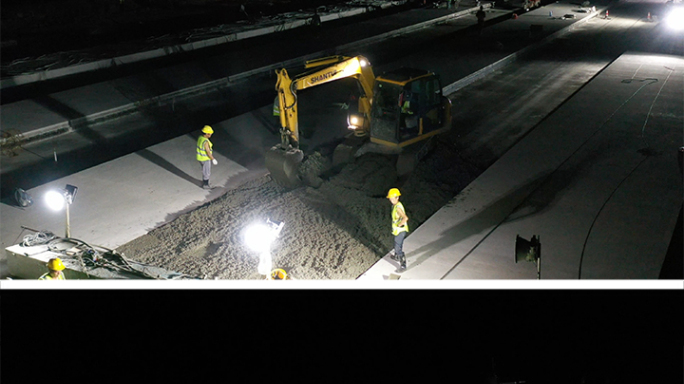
97	114
125	198
90	110
138	186
597	181
62	64
64	111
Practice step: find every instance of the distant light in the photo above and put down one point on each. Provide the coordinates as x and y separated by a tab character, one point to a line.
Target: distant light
55	200
675	19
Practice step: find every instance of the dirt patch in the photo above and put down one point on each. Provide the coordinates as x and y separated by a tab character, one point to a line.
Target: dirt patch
335	231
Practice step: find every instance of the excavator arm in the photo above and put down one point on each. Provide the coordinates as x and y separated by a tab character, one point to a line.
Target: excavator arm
334	68
283	160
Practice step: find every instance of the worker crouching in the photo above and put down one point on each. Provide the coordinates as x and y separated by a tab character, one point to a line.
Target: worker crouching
56	267
205	155
399	226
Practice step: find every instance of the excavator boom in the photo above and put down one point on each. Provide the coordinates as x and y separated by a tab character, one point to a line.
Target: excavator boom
334	68
283	159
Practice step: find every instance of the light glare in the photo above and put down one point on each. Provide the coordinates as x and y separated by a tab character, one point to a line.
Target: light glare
675	19
259	237
55	200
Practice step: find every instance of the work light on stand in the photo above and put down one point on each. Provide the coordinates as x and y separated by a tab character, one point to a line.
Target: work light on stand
259	238
56	199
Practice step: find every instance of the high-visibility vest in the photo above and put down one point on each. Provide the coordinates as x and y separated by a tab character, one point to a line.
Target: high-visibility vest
276	107
201	153
396	219
47	276
406	108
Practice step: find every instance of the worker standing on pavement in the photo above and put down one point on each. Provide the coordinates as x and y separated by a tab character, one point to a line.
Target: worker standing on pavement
399	226
316	19
480	14
56	267
205	155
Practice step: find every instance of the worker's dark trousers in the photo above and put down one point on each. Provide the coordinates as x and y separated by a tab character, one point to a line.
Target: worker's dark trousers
398	246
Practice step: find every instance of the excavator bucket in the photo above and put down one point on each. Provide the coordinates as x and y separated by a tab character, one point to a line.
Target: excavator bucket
284	166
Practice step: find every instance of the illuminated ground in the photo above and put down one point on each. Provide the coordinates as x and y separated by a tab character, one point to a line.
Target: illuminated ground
332	232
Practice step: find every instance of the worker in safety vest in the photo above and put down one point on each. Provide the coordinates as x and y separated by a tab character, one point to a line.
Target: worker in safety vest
316	19
205	155
56	267
480	14
276	107
406	104
408	119
399	226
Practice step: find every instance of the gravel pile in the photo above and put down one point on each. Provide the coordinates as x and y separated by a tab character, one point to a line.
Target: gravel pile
335	231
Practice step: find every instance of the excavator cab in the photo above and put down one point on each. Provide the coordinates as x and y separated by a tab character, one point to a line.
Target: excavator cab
408	106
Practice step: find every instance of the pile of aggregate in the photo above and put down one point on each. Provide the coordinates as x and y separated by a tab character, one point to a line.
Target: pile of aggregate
334	231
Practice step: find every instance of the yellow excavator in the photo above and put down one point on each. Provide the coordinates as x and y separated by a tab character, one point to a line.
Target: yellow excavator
395	110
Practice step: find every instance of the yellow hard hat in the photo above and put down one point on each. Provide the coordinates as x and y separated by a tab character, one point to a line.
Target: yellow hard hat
278	274
56	264
394	192
207	129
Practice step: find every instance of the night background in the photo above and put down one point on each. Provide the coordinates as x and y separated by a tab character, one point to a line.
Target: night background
35	27
535	336
458	336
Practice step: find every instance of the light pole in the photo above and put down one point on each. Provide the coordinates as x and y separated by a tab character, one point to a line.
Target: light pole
57	199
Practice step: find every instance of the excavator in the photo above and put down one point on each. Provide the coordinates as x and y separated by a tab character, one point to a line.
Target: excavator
395	111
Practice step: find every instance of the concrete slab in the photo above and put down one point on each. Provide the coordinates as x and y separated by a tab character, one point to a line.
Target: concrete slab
61	110
597	181
62	64
150	187
125	198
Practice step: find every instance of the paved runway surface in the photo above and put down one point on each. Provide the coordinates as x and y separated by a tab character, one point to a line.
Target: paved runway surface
598	182
122	199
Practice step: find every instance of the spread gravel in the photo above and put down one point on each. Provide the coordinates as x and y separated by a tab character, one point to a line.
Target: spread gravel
336	230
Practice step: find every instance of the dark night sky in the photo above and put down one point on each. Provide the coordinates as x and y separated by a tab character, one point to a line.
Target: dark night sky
539	336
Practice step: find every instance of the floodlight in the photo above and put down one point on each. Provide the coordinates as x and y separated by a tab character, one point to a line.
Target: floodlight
259	238
71	192
675	19
56	199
